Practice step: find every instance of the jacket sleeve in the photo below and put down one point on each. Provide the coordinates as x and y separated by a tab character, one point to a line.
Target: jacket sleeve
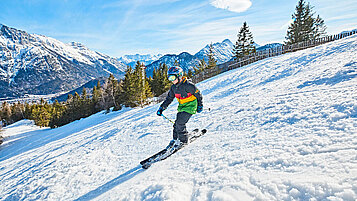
169	98
193	90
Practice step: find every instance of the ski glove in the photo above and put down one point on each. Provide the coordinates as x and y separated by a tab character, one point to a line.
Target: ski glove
199	109
159	112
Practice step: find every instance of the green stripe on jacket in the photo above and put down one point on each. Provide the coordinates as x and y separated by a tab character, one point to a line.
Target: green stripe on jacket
190	107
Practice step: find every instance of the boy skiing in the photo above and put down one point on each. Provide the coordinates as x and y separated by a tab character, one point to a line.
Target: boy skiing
190	102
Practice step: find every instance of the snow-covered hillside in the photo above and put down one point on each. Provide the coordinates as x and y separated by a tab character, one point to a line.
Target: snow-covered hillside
32	64
283	128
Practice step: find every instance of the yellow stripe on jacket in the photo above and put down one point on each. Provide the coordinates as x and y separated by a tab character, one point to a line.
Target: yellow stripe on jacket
189	98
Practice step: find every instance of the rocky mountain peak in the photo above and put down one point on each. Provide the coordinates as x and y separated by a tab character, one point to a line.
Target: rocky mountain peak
36	64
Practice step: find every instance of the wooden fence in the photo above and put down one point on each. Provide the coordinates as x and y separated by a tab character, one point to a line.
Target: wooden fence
208	73
230	65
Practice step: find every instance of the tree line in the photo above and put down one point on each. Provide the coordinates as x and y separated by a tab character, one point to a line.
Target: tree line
305	26
135	89
114	94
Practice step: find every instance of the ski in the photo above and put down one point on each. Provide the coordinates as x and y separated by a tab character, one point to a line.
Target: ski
170	149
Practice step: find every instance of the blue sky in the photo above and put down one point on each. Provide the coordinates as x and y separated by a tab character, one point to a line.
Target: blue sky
119	27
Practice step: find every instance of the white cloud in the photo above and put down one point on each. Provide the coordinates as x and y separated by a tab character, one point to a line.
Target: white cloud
237	6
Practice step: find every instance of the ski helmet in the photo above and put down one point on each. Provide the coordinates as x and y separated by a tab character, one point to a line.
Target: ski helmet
176	71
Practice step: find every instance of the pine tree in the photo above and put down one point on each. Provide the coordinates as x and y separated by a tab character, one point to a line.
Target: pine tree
165	83
17	112
27	110
155	82
212	62
68	116
200	67
86	109
245	43
128	94
117	96
95	100
305	26
295	30
6	113
41	114
189	73
98	98
109	89
112	93
57	115
320	28
44	116
159	83
84	95
142	84
75	107
308	25
136	88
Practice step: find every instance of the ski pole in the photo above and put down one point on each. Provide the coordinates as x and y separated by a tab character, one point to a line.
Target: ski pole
209	109
168	119
206	109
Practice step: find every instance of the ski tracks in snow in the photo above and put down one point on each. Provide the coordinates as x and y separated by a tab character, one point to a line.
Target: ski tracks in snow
283	128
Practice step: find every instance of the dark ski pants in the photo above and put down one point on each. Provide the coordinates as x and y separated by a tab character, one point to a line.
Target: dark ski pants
180	131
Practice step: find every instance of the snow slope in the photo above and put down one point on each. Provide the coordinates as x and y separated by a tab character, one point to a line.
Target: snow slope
283	128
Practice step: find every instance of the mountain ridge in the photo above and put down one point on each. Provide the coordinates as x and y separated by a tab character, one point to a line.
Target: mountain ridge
37	64
222	51
132	59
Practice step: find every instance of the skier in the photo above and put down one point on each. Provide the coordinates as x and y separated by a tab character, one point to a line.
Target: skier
190	102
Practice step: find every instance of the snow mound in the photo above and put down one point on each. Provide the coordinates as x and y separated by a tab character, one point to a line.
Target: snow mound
283	128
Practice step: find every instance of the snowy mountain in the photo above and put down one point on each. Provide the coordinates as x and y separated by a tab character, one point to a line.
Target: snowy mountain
185	59
132	59
36	64
283	128
223	53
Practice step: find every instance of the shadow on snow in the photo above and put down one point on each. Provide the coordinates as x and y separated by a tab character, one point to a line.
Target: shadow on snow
111	184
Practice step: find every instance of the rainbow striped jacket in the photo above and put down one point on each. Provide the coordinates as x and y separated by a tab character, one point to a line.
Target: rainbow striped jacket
187	94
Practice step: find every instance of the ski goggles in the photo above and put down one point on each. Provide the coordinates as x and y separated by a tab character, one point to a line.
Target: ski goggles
172	78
